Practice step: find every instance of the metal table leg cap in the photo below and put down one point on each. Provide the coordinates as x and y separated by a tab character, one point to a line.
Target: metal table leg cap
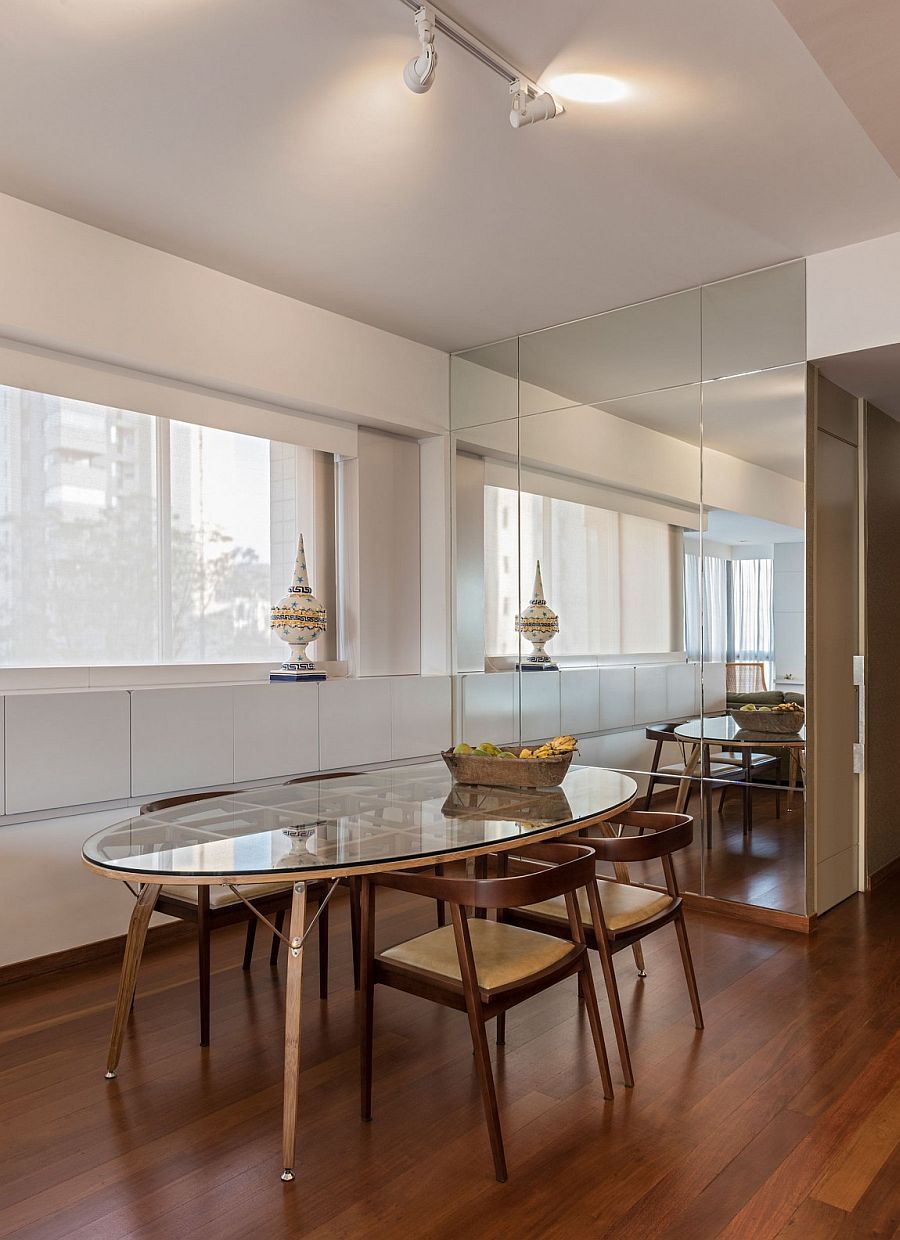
642	972
110	1075
287	1175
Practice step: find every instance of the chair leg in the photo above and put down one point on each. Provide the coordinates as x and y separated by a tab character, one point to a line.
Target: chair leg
366	949
722	796
203	960
686	960
355	927
615	1007
638	953
586	985
488	1092
248	943
777	801
276	941
441	906
323	952
501	1029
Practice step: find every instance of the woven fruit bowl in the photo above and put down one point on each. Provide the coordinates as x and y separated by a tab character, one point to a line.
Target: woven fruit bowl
775	722
512	772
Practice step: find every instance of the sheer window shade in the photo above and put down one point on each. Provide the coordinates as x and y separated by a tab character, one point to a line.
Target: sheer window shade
608	575
126	538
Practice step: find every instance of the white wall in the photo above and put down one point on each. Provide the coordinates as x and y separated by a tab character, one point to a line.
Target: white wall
78	290
789	605
853	297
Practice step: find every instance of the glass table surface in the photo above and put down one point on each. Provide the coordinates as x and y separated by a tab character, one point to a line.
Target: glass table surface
724	729
352	823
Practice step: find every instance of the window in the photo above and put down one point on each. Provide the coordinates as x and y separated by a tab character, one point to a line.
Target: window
129	539
608	575
738	618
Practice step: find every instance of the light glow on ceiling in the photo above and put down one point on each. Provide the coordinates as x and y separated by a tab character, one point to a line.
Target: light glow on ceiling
588	87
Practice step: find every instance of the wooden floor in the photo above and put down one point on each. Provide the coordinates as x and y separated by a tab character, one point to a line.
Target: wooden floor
764	867
781	1119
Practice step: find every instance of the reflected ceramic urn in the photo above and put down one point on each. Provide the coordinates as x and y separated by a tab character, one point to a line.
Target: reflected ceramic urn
298	619
538	624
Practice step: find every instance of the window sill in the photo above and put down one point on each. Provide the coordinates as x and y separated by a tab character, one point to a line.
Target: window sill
149	676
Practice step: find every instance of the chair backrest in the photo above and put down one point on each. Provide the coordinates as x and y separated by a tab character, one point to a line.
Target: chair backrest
745	678
669	833
567	867
153	807
663	731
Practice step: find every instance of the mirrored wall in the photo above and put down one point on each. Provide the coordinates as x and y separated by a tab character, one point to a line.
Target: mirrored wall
651	461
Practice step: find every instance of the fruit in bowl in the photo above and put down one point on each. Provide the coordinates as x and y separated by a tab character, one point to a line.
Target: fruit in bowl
557	748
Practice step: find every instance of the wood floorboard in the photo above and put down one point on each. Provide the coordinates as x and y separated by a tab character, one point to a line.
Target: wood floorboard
781	1119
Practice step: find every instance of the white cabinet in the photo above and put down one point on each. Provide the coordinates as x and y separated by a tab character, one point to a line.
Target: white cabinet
354	722
651	695
421	722
276	730
488	710
680	690
617	689
540	705
181	739
66	749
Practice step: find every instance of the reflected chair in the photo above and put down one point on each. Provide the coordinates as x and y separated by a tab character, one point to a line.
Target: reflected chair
616	915
745	678
210	908
483	967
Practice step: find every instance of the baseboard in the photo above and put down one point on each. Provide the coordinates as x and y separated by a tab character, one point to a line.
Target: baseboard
777	918
89	953
882	875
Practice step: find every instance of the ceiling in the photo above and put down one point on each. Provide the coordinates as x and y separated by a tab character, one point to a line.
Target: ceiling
735	528
274	140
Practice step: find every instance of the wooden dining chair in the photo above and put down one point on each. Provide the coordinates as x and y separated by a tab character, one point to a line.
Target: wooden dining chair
210	908
483	967
745	678
616	915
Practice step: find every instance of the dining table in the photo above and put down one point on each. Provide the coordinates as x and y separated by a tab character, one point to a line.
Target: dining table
724	732
329	828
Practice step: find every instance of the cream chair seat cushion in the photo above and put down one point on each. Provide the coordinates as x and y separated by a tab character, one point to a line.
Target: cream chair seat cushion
622	905
220	896
503	954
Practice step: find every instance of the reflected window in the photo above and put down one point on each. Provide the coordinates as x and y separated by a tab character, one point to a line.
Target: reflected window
609	575
738	610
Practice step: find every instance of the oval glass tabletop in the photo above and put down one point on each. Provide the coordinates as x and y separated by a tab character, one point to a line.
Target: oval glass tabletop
350	824
724	729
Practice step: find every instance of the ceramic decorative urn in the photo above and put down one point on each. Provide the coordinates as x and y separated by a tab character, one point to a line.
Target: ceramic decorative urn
298	619
537	624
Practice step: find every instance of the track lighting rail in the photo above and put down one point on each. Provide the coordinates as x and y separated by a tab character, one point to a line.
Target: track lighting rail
481	51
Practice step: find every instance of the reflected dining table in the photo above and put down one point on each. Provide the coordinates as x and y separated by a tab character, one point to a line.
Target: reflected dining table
724	732
380	820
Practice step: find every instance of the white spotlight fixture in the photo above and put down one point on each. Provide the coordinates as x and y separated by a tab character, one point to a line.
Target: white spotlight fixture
529	105
589	87
419	72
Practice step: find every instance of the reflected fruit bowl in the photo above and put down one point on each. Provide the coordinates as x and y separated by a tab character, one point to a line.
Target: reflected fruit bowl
776	722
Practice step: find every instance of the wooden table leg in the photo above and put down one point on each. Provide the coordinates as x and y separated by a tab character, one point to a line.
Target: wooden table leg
747	792
134	949
684	787
292	1030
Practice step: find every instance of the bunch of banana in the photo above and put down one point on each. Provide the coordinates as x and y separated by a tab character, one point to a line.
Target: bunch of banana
556	748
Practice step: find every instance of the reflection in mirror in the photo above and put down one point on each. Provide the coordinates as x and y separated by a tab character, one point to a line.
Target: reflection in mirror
755	321
608	493
483	384
636	349
750	559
